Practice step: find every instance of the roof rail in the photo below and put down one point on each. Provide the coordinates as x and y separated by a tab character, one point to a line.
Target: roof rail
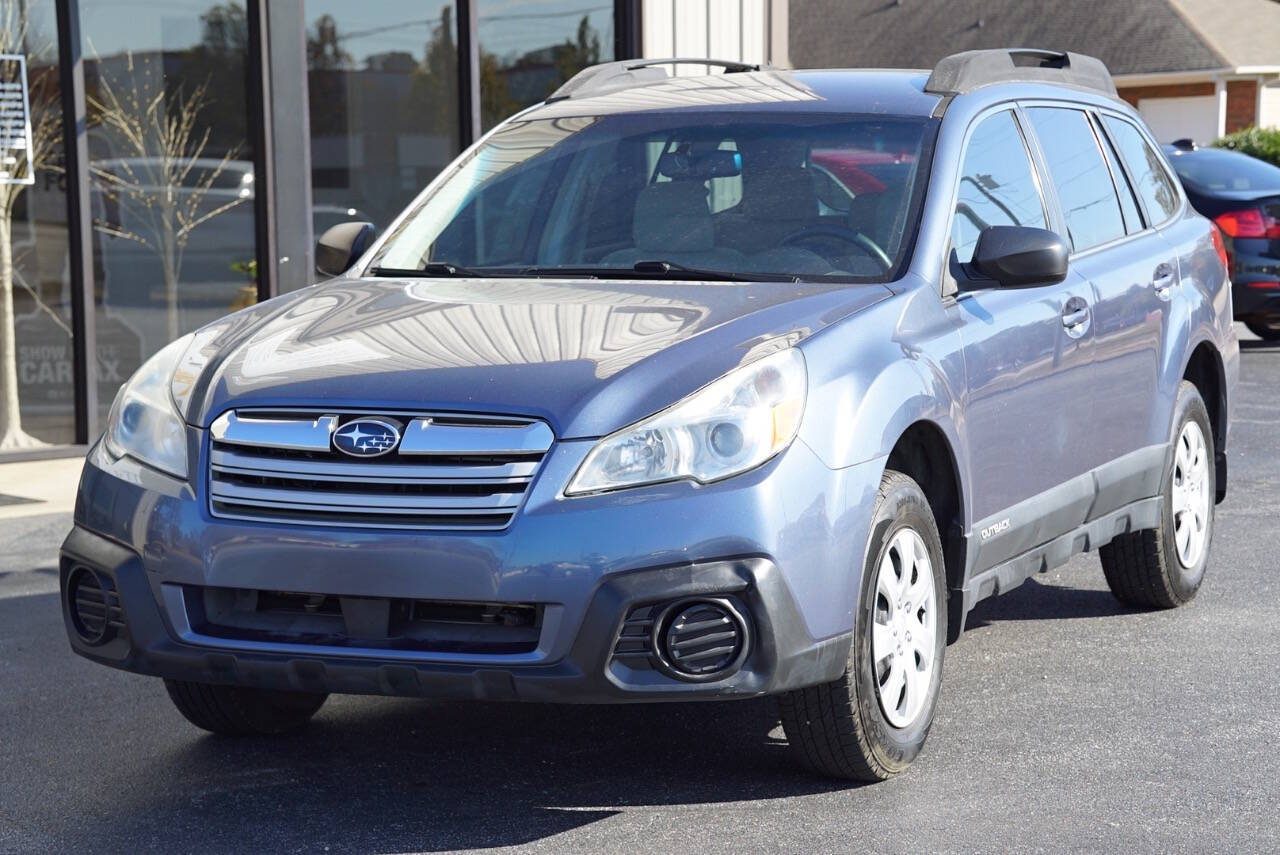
964	72
623	74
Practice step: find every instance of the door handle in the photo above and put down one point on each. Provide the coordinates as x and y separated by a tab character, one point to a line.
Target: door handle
1074	318
1163	279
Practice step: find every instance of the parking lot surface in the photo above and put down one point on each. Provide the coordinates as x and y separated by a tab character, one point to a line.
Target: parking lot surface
1067	723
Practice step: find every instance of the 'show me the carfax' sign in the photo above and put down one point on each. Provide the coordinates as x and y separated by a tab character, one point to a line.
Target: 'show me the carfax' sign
15	121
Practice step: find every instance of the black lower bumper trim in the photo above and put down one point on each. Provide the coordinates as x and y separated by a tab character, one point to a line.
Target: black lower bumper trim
783	656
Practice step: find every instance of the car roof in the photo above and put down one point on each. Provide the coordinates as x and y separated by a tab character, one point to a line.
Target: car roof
897	92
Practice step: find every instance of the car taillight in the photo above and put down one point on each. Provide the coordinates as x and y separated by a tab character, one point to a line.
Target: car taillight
1248	223
1220	247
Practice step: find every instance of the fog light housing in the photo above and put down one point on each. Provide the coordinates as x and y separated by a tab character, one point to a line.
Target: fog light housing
94	606
701	639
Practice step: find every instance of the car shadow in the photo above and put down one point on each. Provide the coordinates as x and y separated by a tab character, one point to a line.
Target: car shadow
401	775
1034	600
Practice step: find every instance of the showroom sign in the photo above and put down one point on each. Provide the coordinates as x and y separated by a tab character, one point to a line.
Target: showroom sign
15	121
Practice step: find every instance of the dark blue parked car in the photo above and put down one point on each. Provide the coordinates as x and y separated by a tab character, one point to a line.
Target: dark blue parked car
1241	194
683	388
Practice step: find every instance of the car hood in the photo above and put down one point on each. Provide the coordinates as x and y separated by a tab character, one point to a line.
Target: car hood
587	356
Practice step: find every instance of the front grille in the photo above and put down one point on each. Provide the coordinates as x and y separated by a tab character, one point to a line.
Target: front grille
445	472
375	623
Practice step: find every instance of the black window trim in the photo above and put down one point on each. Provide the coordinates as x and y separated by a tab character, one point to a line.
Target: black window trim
1160	158
1116	161
1044	162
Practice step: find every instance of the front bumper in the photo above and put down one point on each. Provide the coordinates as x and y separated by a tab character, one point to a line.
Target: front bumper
765	539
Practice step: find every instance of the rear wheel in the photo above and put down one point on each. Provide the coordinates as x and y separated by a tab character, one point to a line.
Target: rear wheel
238	711
1268	330
1163	567
872	722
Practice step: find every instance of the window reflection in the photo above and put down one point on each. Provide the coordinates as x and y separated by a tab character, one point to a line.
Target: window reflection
172	175
529	47
36	403
382	79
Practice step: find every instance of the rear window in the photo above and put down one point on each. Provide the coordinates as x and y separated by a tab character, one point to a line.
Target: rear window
1149	177
1208	169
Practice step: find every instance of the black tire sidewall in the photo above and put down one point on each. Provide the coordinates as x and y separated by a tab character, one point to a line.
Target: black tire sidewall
903	505
1267	330
1185	581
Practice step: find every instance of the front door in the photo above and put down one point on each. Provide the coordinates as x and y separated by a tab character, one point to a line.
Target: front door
1028	362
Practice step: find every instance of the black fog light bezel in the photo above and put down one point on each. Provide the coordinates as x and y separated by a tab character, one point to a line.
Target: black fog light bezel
658	639
78	575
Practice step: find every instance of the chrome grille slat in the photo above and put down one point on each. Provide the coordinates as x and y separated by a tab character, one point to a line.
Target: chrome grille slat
235	461
449	472
429	502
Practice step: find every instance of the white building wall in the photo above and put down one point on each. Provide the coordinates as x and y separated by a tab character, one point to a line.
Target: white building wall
1194	117
1269	105
742	30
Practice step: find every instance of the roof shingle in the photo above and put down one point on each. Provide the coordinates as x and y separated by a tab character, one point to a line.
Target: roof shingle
1130	36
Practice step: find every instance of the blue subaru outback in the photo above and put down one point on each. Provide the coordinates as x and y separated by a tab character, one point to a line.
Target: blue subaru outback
681	388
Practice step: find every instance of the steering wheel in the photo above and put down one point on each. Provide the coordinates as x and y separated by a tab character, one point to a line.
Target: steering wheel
844	233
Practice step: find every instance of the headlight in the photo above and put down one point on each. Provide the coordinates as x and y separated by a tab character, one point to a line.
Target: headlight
729	426
144	421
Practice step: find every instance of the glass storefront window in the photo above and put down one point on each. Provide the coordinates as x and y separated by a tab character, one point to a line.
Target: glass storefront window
382	79
36	385
171	165
529	47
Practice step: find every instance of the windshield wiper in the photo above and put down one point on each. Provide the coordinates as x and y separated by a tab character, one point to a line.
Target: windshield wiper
674	270
658	269
430	270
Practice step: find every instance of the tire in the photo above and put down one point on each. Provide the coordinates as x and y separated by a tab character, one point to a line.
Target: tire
237	711
1156	568
1268	330
843	729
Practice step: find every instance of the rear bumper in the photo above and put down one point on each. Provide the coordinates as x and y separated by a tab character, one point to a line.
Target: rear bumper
1254	294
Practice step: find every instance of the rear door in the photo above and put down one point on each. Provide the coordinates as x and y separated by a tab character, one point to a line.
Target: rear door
1133	271
1027	360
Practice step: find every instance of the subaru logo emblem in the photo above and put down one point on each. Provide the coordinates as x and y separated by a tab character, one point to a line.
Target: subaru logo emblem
366	438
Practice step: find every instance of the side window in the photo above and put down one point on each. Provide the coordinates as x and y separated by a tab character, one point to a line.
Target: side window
1080	175
996	185
1128	201
1153	184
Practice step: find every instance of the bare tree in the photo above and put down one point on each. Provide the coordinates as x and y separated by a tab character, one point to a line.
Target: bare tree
161	179
15	37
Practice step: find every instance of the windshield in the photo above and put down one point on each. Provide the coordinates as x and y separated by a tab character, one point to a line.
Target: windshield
1221	170
754	195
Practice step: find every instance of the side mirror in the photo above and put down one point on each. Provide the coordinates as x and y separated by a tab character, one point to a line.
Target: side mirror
1020	256
340	246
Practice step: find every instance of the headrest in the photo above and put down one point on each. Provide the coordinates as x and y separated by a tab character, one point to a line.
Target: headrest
673	217
780	193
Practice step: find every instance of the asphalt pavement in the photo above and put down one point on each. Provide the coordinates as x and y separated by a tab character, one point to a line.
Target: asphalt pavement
1067	723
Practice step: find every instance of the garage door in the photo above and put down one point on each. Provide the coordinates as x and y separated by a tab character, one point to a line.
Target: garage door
1175	118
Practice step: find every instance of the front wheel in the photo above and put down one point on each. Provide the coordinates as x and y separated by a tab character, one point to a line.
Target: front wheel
872	722
238	711
1268	330
1163	567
